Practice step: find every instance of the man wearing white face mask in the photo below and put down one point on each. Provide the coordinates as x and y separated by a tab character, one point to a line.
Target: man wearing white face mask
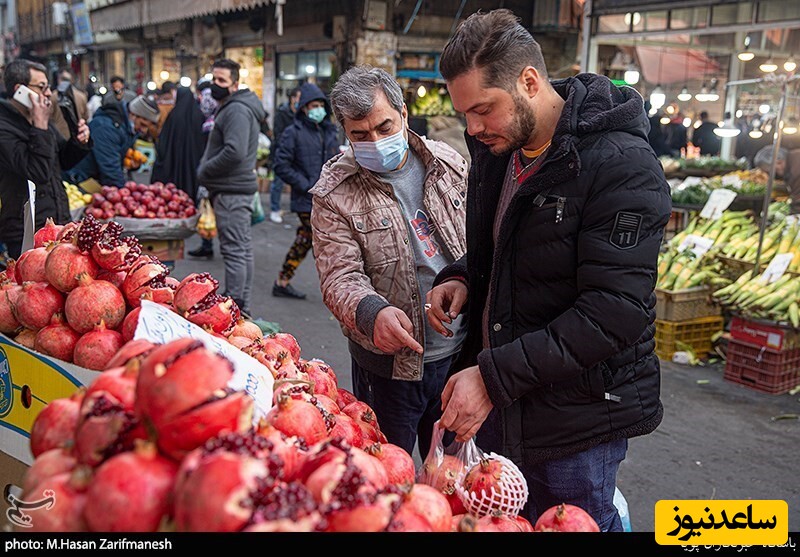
388	216
303	148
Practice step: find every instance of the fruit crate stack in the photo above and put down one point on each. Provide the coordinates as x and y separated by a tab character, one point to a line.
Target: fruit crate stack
763	355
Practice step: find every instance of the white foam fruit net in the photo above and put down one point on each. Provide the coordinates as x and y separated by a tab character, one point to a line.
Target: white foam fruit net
509	497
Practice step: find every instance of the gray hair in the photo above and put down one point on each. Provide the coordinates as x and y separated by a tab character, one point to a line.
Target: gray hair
353	96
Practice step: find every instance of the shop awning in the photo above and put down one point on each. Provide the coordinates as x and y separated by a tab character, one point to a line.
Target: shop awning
139	13
674	65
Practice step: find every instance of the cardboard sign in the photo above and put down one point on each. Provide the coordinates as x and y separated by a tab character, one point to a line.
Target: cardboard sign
160	325
29	218
698	244
776	268
718	201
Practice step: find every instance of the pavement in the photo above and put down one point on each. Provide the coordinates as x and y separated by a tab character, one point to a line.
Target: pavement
718	439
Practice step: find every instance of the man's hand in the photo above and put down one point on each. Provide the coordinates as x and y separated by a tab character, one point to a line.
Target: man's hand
465	404
40	111
393	331
83	132
445	301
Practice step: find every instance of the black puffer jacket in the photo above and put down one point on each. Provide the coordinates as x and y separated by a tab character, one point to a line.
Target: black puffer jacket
571	323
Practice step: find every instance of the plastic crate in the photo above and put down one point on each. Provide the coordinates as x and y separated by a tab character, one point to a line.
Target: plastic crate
769	334
761	368
696	333
681	305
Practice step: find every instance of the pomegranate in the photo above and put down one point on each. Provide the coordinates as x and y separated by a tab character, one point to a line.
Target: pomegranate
246	329
432	504
54	426
65	513
346	475
133	350
63	265
483	478
147	275
442	476
96	348
215	312
495	521
291	450
92	302
26	338
114	277
193	289
30	266
182	396
240	342
36	304
289	343
408	519
57	339
47	465
346	428
312	522
140	479
9	273
294	415
8	295
364	416
344	397
565	518
275	357
398	463
322	376
107	425
46	234
67	232
113	253
362	512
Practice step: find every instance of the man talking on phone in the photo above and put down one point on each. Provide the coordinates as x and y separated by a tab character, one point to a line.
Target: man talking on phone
32	149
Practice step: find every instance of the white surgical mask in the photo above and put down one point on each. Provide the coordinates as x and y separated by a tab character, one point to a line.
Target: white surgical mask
383	155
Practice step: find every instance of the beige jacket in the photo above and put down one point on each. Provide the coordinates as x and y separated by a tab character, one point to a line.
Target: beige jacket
362	250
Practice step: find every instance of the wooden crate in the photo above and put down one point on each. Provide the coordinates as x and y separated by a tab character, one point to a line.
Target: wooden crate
165	250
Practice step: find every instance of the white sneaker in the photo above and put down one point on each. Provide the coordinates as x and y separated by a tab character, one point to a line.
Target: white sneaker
275	216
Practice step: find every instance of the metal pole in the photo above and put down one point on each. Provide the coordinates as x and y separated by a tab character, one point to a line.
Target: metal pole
587	36
768	195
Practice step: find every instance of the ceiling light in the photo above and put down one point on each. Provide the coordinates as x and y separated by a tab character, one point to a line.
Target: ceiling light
790	127
727	129
658	97
769	66
790	65
746	55
664	120
684	95
151	86
756	134
631	76
164	74
687	122
764	108
421	91
186	81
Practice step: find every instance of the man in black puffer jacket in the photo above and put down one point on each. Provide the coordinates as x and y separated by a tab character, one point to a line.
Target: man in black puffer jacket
566	209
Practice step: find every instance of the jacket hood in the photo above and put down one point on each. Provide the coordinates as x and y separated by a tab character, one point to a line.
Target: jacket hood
114	111
595	104
250	100
310	92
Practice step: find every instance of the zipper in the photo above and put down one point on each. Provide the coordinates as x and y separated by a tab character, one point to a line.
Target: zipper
560	203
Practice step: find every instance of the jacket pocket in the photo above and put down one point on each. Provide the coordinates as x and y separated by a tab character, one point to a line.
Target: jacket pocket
376	236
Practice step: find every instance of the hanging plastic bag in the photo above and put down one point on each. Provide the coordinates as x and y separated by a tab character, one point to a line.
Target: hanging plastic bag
207	223
258	210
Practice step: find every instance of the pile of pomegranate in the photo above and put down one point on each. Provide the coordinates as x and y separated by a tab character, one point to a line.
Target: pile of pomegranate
76	294
142	201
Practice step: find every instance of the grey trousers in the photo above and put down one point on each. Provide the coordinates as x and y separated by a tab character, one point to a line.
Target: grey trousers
233	212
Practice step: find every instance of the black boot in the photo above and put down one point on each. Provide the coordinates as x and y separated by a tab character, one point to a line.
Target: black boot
287	291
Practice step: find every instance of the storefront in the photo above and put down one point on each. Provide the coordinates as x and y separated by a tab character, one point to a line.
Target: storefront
251	60
164	66
295	68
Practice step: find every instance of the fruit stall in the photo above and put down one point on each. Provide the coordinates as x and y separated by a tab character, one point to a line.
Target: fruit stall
123	387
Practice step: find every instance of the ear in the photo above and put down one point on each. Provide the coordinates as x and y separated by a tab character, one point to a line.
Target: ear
529	81
404	113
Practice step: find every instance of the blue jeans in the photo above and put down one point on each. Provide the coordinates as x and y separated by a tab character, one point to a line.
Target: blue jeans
586	479
275	191
406	410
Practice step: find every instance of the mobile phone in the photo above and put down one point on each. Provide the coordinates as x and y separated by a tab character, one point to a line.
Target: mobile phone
21	95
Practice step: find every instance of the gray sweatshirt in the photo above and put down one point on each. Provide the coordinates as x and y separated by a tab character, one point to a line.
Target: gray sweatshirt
229	162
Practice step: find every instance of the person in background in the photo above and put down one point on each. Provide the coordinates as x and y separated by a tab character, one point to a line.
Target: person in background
228	171
787	168
95	101
32	149
704	137
676	136
69	104
208	106
118	91
165	99
114	129
388	216
655	136
181	143
566	210
306	144
283	117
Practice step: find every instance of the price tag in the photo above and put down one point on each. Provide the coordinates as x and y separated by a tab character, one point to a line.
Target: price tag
792	220
698	244
776	268
689	182
718	201
732	180
160	326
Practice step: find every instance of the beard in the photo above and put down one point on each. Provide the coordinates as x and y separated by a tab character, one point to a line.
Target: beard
521	129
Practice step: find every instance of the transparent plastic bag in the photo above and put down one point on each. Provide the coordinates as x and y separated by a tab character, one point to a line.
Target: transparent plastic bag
207	222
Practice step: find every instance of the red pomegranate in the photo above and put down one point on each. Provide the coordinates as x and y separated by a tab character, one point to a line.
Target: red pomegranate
140	479
364	416
193	289
107	425
183	396
132	350
484	477
442	476
30	265
408	519
344	397
64	263
275	357
46	234
313	522
8	296
346	428
94	301
247	329
47	465
289	343
565	518
432	504
113	253
398	463
54	426
495	521
322	375
9	273
114	277
36	304
67	232
240	342
96	348
65	514
291	450
363	512
345	476
215	312
296	416
147	275
57	339
26	338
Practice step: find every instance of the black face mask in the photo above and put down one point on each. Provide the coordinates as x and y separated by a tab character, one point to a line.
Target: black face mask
218	93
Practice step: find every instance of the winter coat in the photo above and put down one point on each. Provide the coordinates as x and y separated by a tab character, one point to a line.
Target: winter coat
229	161
705	138
113	137
28	153
304	146
283	119
363	253
571	360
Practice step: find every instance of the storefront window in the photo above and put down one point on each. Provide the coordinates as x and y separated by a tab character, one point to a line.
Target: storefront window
136	74
115	64
295	68
164	67
251	74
